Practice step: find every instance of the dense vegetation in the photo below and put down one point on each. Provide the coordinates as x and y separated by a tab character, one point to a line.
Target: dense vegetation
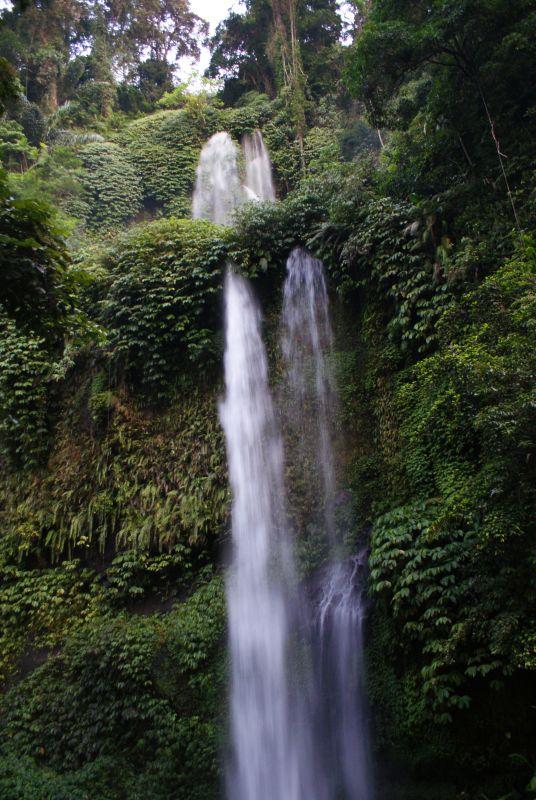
404	158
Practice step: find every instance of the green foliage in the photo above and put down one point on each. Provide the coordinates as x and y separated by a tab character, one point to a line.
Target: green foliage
266	232
162	306
321	148
424	574
164	150
36	288
194	101
451	570
57	178
9	85
15	149
111	690
32	121
147	481
452	77
249	48
23	779
112	188
280	137
470	404
37	608
143	690
23	395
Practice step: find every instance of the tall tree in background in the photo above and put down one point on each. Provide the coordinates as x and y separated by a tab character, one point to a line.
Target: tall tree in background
462	72
239	51
160	31
275	43
55	45
39	39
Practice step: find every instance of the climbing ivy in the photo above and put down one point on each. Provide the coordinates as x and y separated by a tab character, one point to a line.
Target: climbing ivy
25	368
164	150
162	308
112	188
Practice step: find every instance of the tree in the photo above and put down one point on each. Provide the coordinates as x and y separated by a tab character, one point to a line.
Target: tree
39	39
463	70
58	45
276	43
155	31
239	51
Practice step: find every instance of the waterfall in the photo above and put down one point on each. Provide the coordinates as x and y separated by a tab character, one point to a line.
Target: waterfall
218	190
306	339
339	618
338	613
271	755
259	181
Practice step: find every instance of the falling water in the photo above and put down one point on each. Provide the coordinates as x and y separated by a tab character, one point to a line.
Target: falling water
271	757
306	339
307	342
218	190
259	181
340	614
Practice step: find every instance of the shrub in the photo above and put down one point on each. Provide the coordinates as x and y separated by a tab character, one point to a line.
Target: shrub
24	369
143	690
37	290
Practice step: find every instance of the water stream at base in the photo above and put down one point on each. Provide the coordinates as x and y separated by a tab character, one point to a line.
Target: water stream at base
338	629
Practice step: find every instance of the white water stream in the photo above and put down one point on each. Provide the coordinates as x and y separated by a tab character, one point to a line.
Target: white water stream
341	735
270	738
297	709
218	191
259	179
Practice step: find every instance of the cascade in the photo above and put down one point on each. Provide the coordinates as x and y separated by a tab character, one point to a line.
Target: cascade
259	184
306	339
298	719
339	619
338	613
271	753
218	190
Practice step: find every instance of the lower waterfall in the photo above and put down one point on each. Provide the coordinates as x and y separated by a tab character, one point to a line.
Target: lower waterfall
338	605
271	735
338	633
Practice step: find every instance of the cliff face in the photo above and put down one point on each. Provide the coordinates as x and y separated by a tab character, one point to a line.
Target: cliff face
115	498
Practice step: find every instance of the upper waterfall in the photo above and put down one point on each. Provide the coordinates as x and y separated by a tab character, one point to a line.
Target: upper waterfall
218	190
218	187
259	179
